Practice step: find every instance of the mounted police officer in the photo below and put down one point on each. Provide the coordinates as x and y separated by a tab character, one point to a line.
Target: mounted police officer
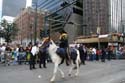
64	44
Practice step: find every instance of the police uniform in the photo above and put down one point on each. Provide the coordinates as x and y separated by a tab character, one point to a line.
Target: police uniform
64	44
63	40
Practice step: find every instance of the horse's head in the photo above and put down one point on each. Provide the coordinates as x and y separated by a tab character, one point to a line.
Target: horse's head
46	42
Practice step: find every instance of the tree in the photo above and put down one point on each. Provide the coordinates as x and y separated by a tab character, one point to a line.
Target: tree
9	31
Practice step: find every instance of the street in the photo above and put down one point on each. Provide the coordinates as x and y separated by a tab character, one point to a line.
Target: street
93	72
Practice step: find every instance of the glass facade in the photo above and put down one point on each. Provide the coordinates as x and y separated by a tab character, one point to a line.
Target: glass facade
62	15
61	12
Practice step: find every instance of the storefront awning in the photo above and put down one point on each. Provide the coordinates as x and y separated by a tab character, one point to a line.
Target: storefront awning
88	40
92	40
104	36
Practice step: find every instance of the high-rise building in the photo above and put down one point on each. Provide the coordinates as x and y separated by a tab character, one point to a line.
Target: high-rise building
96	16
12	7
60	15
86	17
117	15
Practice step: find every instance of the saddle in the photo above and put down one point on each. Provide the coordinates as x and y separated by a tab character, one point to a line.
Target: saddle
61	52
73	54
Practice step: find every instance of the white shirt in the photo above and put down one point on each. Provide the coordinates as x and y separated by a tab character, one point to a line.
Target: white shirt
3	48
34	50
17	49
94	51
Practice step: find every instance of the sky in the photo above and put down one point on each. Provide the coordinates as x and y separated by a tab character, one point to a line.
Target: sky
28	3
0	9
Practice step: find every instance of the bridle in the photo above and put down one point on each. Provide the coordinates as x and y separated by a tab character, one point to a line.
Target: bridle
46	43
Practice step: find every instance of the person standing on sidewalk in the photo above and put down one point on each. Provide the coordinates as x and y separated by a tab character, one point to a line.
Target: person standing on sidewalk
34	52
82	57
42	56
3	55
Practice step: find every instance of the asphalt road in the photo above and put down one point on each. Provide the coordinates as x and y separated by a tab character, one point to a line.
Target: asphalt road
93	72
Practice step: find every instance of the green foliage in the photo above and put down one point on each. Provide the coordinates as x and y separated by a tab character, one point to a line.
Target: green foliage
9	31
1	33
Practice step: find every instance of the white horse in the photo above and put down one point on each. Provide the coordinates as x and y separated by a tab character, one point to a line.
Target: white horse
56	59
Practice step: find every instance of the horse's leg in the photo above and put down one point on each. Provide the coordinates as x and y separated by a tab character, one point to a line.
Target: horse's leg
54	72
70	70
77	65
62	73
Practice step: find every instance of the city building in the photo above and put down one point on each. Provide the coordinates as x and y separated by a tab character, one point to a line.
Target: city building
62	17
78	17
96	16
117	15
25	22
12	7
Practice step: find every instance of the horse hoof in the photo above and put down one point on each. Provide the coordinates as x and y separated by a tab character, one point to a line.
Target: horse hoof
63	77
76	75
51	81
69	74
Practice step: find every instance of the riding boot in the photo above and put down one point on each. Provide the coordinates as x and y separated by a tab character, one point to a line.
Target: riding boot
44	65
62	61
40	65
67	62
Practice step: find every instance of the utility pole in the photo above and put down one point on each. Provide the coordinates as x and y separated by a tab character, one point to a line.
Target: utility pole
45	23
122	24
35	23
31	33
49	29
21	39
98	27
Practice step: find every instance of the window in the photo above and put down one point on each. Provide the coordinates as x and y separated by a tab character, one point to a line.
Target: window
79	4
77	11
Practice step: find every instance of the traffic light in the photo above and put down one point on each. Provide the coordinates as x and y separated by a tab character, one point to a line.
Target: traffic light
8	38
42	33
48	32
